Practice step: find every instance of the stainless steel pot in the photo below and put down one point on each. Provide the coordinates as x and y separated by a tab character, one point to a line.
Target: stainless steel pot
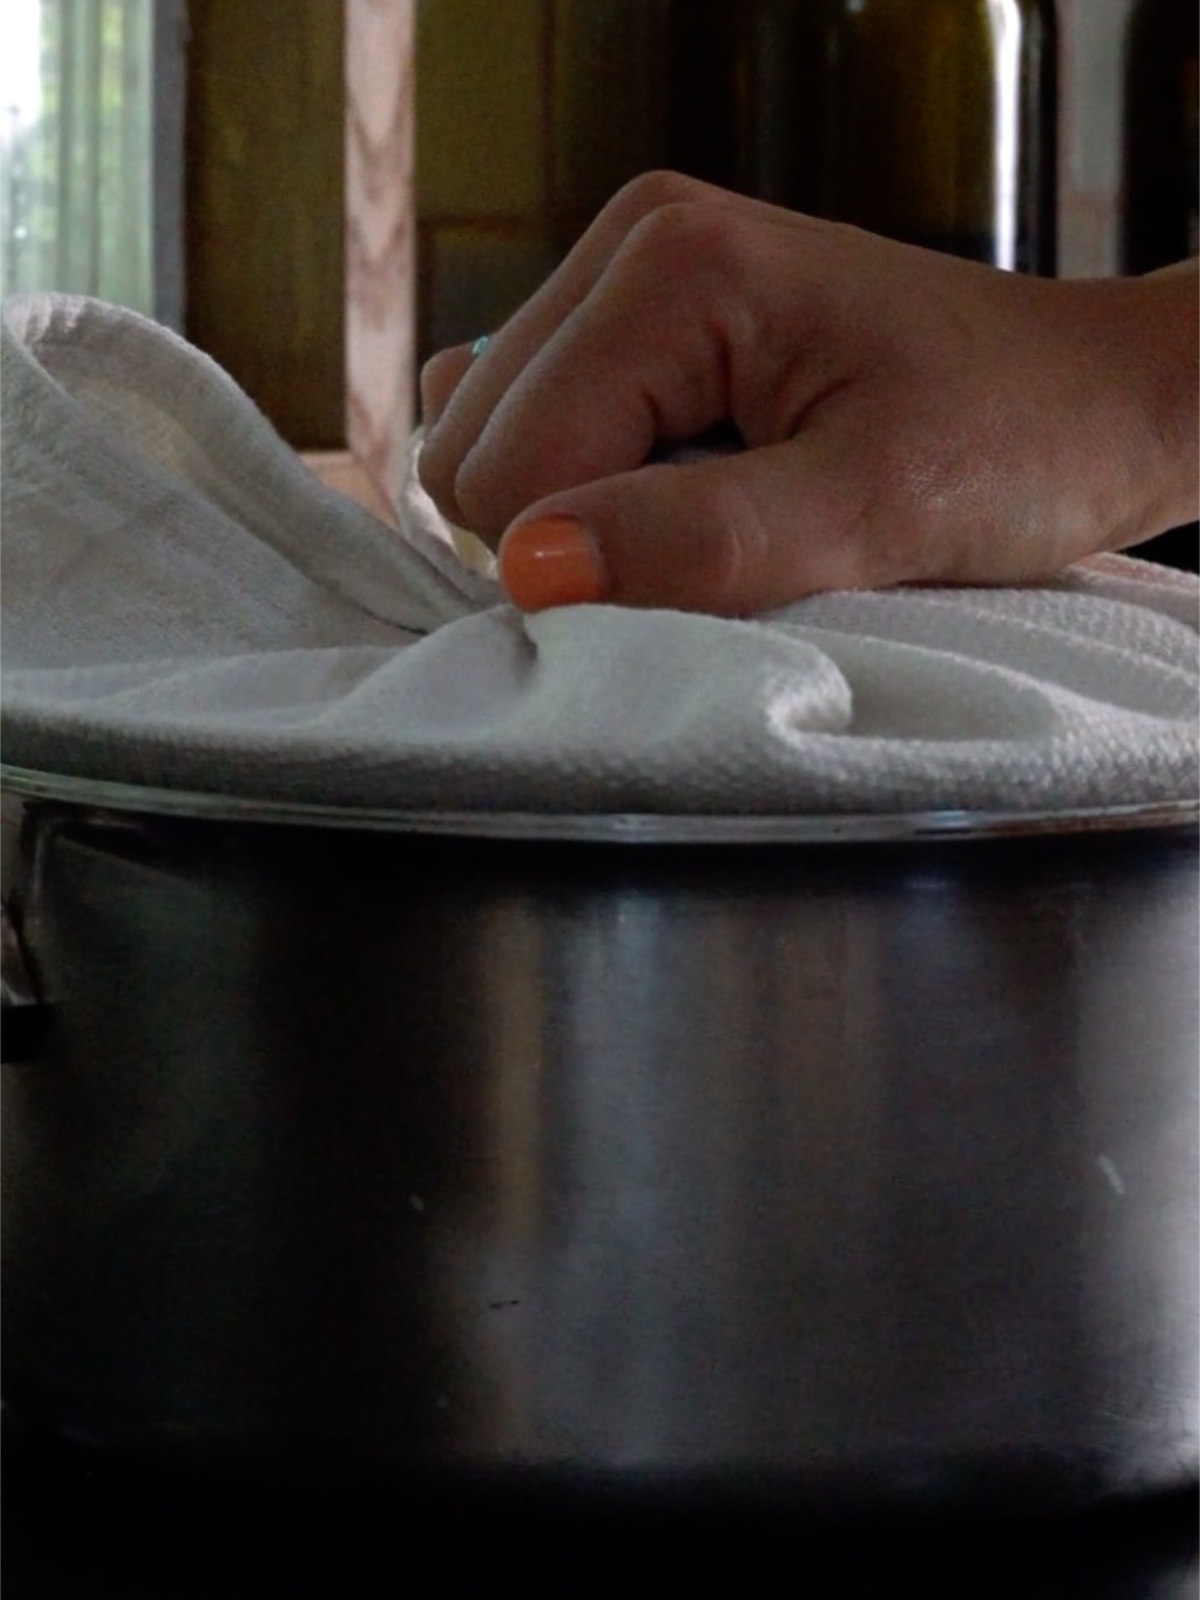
840	1163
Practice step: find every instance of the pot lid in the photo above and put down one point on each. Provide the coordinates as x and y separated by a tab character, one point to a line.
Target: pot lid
615	827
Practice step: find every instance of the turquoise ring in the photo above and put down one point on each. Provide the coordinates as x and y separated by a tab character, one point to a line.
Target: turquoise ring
480	345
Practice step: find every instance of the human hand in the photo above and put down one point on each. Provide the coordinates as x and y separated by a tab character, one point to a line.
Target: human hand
908	417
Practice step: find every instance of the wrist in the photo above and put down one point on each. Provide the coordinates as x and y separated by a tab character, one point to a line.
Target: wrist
1162	329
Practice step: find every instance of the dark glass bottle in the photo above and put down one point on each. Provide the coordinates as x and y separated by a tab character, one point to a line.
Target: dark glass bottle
931	121
1159	221
1160	135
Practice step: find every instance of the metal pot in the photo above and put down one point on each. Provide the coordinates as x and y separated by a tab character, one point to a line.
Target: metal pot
847	1164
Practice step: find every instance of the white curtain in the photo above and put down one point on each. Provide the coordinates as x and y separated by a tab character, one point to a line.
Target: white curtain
76	144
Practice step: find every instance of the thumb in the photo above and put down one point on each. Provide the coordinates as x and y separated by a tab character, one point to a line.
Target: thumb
731	534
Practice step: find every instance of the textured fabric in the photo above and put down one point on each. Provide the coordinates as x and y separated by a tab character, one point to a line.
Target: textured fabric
186	605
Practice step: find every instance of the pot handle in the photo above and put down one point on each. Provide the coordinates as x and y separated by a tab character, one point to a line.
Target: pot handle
24	1015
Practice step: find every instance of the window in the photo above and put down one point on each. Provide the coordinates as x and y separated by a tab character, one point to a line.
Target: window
76	148
277	236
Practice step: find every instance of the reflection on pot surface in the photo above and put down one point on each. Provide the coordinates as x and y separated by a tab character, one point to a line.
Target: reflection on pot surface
851	1173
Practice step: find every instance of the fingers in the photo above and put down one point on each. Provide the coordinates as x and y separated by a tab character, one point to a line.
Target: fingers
731	535
635	363
909	417
672	339
440	376
460	395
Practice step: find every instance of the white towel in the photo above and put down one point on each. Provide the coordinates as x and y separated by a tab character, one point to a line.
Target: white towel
186	606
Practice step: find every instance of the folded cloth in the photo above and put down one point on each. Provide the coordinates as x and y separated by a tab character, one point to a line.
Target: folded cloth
186	605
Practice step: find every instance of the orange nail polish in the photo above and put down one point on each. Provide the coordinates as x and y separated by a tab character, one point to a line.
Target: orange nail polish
552	561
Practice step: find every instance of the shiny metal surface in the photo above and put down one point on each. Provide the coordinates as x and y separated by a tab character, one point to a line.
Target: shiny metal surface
615	827
849	1177
25	1015
16	982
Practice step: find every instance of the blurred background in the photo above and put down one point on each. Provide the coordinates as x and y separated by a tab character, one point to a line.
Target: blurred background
322	192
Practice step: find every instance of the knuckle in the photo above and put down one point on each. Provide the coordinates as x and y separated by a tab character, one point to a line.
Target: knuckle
684	237
650	191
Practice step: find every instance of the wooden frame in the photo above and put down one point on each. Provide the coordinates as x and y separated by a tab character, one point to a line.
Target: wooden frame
299	237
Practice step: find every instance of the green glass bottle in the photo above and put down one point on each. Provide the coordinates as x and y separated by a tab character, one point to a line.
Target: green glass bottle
931	121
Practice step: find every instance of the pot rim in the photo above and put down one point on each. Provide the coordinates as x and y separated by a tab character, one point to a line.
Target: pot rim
618	827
